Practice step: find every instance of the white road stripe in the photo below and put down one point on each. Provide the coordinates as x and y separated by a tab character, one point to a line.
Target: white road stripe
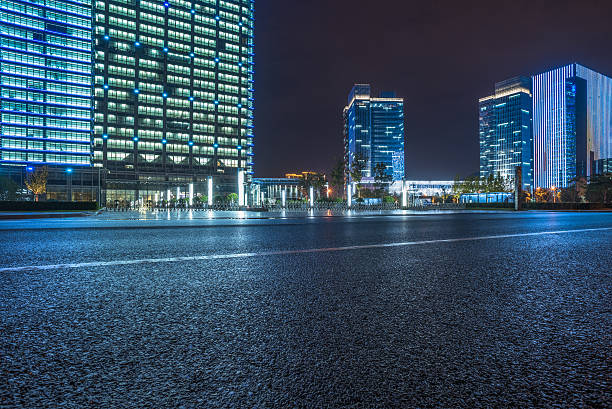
285	252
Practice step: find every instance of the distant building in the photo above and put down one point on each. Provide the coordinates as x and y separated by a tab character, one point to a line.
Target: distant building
505	131
572	124
603	166
374	130
423	188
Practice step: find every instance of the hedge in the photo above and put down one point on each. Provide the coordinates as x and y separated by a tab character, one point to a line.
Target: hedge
46	206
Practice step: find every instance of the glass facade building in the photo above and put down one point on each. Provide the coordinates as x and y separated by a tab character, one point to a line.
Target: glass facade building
173	95
374	131
572	121
151	97
505	131
46	83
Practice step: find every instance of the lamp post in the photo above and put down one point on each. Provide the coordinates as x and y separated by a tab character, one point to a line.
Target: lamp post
349	195
210	191
240	188
311	194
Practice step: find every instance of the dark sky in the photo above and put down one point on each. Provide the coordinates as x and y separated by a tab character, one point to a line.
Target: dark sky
441	56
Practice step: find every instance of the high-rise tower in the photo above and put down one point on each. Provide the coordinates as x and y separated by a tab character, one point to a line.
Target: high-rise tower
374	132
173	96
572	124
505	131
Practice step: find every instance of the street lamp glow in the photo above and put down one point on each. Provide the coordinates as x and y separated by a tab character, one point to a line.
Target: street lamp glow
284	197
240	188
210	190
311	196
190	194
349	197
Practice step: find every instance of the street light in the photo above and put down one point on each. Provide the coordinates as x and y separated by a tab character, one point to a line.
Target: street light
210	191
349	195
311	196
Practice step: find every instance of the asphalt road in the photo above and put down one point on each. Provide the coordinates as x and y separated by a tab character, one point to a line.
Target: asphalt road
447	310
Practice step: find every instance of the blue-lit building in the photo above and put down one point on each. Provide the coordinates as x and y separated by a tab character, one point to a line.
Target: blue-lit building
505	131
46	90
572	124
151	98
374	131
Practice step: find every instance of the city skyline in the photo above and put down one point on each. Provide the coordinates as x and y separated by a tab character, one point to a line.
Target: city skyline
439	75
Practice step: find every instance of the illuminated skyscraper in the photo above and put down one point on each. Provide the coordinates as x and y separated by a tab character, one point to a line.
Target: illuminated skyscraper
46	87
505	131
572	124
173	95
374	131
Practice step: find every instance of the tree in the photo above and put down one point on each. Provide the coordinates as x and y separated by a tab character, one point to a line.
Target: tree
357	167
36	182
543	195
381	177
457	188
338	175
232	197
600	189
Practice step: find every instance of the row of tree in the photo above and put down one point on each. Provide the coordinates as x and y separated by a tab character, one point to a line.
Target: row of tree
341	173
491	184
598	189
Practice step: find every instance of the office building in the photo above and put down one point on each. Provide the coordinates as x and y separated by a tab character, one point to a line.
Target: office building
374	132
572	124
46	94
505	131
172	102
173	96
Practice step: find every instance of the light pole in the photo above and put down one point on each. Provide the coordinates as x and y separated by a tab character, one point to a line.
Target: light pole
210	191
240	188
349	195
311	193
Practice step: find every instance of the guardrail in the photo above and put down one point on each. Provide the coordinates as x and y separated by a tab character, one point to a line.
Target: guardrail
294	207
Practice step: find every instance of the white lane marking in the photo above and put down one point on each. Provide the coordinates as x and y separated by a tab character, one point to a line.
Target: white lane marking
285	252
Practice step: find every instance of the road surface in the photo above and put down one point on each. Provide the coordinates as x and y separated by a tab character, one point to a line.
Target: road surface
424	310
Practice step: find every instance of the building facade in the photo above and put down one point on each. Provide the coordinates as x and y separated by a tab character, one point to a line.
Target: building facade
46	94
173	96
572	124
147	97
374	132
505	131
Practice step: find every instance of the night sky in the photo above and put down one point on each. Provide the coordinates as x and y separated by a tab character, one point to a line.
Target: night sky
441	56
